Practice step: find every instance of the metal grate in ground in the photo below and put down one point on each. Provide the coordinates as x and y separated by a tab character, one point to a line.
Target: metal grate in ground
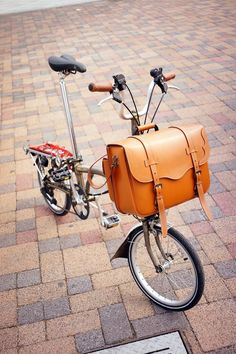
170	343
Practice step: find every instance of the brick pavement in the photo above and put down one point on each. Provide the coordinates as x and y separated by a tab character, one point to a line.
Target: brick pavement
55	297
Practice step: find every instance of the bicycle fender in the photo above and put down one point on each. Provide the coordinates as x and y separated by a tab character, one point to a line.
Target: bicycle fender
122	251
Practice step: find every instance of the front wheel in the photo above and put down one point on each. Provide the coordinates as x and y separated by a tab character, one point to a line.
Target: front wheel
177	282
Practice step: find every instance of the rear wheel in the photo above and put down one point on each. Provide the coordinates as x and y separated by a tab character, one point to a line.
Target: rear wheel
82	208
177	282
58	201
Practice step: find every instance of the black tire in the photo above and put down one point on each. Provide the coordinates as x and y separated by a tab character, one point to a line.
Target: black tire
59	202
98	177
161	285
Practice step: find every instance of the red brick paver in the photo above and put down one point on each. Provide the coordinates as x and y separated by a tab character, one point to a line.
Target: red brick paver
59	292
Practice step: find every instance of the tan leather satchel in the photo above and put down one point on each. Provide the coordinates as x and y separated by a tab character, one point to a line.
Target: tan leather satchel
149	173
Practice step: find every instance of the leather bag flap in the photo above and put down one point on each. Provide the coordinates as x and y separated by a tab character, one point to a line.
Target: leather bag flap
170	152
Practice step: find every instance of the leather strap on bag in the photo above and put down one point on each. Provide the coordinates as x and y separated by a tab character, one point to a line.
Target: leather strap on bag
157	184
193	152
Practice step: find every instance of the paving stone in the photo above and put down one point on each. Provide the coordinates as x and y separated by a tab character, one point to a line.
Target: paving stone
28	278
87	259
32	333
228	350
8	304
18	258
199	228
115	324
7	282
8	338
92	236
95	299
46	227
56	307
79	285
215	288
206	321
70	241
111	278
217	212
73	324
25	203
192	216
226	203
41	292
51	347
89	341
7	240
226	269
164	322
51	244
7	202
26	236
136	303
52	266
30	313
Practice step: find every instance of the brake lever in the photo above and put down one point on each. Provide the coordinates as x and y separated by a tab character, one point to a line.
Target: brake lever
105	99
174	87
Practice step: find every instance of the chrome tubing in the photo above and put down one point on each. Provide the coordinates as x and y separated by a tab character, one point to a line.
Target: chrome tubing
68	117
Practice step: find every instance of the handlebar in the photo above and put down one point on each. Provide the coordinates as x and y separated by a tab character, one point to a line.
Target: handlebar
117	90
100	88
169	76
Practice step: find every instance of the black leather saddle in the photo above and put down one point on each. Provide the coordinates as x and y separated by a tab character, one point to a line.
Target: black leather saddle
66	64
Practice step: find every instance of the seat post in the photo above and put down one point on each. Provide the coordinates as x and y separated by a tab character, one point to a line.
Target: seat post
68	116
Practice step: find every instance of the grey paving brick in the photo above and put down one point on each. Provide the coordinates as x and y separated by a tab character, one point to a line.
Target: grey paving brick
30	313
160	323
226	269
113	245
70	241
115	323
7	188
192	216
51	244
228	350
217	212
25	203
25	225
216	188
7	240
217	167
119	263
28	278
56	307
79	285
231	165
89	341
7	282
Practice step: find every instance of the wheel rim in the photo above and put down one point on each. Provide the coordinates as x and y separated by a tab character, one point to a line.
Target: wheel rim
177	284
83	209
53	193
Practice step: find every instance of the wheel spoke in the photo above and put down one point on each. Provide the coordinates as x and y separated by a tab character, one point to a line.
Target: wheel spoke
176	285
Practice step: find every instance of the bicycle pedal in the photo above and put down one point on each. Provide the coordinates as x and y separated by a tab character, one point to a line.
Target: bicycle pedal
110	221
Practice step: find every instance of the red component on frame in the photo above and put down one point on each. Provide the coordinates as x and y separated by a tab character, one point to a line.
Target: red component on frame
53	150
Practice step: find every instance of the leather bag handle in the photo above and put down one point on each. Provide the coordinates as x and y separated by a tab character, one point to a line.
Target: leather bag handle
113	165
149	126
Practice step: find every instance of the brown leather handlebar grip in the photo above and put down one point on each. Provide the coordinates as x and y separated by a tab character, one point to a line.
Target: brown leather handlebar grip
169	76
144	127
100	88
